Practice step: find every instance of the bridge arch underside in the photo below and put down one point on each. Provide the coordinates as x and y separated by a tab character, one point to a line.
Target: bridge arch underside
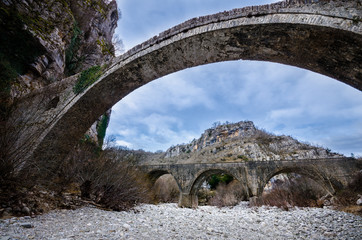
156	174
205	175
325	180
317	46
189	196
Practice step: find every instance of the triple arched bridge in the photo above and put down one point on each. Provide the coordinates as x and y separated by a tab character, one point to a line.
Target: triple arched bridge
331	173
321	36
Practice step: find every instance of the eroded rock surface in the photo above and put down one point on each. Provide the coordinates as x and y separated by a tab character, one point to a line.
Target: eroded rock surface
242	141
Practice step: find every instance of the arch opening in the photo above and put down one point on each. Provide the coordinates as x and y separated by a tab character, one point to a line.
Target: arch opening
295	187
218	188
154	175
166	189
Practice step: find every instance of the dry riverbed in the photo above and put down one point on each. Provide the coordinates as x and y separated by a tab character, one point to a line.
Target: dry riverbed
167	221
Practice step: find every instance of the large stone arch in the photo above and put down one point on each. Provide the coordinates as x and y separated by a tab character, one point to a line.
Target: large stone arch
204	175
200	177
322	37
156	174
325	180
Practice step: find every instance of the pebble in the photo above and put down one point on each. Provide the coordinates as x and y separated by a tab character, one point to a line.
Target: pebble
167	221
26	224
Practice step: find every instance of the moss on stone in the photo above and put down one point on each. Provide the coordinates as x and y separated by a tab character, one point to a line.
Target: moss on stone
101	129
87	78
71	60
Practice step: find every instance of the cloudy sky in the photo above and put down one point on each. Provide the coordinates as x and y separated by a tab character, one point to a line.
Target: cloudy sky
179	107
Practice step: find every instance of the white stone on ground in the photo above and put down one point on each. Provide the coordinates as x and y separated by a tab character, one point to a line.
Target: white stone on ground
167	221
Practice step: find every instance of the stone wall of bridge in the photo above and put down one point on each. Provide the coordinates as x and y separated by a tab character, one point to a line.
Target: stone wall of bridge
331	174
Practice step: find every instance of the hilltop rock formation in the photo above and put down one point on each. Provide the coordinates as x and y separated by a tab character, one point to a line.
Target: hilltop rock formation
241	141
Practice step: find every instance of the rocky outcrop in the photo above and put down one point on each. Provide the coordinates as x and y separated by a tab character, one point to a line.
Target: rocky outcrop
242	141
74	35
61	39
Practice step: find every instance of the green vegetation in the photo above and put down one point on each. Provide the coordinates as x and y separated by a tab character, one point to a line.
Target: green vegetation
72	61
216	179
356	20
105	47
87	78
101	129
98	6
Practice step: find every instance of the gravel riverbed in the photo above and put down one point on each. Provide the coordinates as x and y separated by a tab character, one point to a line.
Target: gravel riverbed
167	221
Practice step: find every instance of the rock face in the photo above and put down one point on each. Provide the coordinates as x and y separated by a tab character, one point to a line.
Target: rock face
70	36
242	141
74	34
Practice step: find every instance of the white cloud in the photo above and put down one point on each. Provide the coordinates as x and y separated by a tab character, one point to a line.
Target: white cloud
160	124
284	115
161	95
124	144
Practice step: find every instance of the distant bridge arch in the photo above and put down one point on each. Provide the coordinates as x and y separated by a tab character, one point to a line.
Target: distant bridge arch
327	181
332	173
155	174
204	175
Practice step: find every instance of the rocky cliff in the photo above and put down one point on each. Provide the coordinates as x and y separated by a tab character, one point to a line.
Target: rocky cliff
241	141
43	42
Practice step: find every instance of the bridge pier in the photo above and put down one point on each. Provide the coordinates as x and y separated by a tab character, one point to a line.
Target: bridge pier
188	200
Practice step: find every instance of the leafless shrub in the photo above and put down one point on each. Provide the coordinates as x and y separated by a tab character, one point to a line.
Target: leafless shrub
166	189
227	195
118	45
105	179
293	191
349	195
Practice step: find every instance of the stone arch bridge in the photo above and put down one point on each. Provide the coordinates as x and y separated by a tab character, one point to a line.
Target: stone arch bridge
332	174
321	36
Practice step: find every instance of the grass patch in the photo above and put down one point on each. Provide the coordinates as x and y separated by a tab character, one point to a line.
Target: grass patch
87	78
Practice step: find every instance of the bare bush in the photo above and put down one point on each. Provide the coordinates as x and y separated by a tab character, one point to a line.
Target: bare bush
227	195
293	191
350	194
106	179
166	189
263	136
204	195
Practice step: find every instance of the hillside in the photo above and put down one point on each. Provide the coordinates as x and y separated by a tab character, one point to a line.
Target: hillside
237	142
